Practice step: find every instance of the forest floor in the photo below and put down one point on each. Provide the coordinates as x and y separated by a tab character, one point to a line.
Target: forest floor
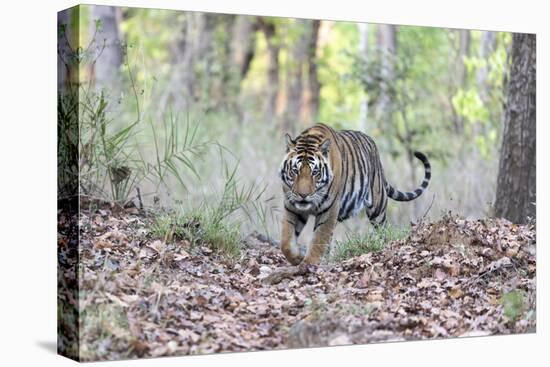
143	297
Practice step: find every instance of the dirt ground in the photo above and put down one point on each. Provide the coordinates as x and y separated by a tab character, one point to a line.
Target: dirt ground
140	296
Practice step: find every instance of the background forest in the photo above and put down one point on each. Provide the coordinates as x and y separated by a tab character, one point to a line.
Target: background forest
189	101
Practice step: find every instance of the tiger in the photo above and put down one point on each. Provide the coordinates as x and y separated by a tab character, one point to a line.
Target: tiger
332	175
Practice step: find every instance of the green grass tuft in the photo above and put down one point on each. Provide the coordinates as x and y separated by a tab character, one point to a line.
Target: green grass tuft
375	240
513	304
200	227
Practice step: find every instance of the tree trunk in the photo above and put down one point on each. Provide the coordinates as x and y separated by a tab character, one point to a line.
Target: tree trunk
364	53
225	84
241	48
181	88
464	38
464	41
68	64
295	78
516	184
310	108
63	48
387	43
242	44
107	66
273	47
205	53
486	47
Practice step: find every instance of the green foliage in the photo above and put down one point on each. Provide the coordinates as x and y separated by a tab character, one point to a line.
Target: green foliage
513	304
340	94
150	32
356	244
479	102
468	104
176	150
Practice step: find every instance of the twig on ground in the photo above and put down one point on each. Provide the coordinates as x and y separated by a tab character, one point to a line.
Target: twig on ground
494	266
139	198
287	272
427	210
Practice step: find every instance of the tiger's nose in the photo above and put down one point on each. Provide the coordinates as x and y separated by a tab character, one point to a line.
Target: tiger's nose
303	196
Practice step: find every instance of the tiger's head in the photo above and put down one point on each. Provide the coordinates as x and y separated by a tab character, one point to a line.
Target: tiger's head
306	171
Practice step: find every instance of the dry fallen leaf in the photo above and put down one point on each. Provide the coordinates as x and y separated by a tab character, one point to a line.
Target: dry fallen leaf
439	274
182	255
363	281
456	292
157	245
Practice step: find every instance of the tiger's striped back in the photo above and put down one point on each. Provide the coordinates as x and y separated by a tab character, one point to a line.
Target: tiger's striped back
364	181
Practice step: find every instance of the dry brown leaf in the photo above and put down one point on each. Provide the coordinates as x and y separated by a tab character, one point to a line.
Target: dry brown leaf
363	282
102	244
439	274
456	292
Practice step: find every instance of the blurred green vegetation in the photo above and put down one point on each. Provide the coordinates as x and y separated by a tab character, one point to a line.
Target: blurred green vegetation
237	80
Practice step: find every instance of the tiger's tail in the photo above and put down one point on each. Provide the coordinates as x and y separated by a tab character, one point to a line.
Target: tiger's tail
411	195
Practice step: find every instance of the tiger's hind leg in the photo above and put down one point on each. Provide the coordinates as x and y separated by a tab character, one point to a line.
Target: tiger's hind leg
377	212
378	220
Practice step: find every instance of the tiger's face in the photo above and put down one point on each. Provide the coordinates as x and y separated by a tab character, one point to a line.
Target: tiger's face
306	173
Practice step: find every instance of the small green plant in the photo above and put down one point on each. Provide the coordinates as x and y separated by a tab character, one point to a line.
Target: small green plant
215	223
356	244
164	226
316	308
203	228
200	227
513	305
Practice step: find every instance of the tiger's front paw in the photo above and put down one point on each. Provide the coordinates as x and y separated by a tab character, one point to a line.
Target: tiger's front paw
315	253
293	257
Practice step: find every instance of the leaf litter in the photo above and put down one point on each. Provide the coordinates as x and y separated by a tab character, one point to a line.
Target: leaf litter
141	296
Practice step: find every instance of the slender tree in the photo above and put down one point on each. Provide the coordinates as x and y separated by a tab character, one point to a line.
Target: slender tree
186	51
516	184
461	80
241	51
242	44
310	108
295	87
107	66
486	47
269	30
63	47
387	44
364	53
68	38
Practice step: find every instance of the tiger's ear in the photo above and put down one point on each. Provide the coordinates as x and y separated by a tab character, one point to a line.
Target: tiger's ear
324	147
290	144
